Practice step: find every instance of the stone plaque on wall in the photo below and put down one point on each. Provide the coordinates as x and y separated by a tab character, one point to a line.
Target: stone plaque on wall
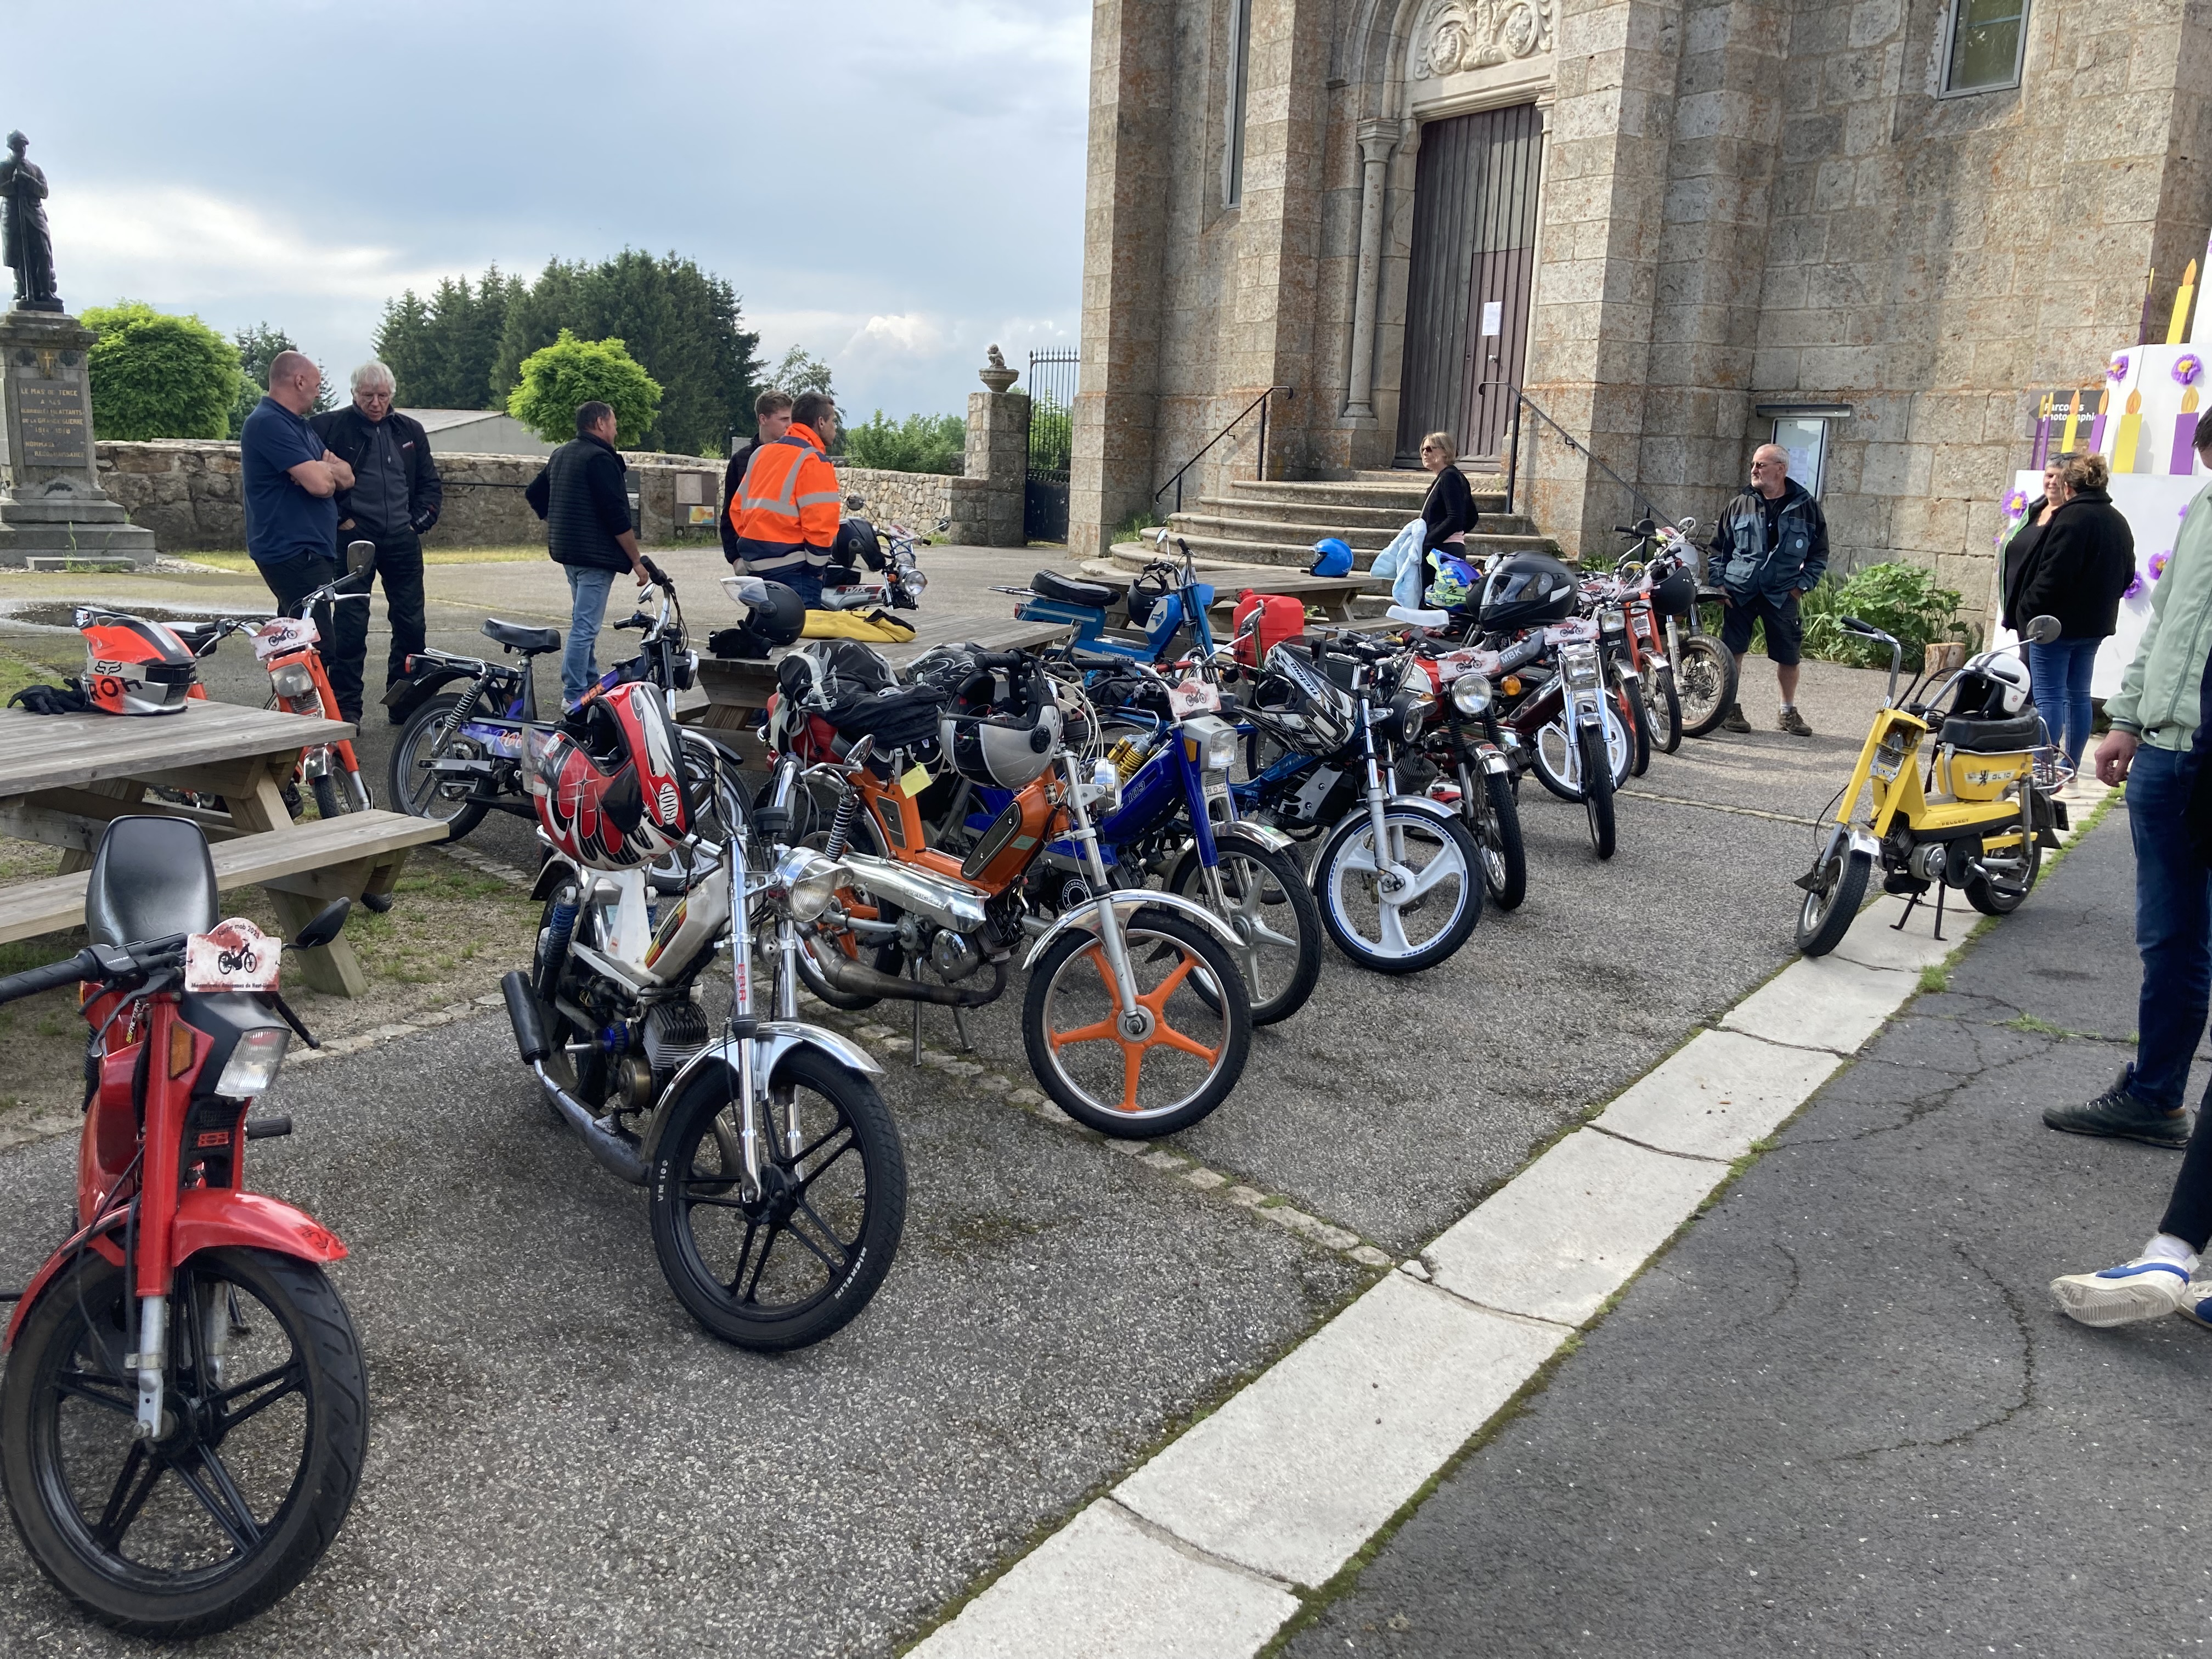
51	430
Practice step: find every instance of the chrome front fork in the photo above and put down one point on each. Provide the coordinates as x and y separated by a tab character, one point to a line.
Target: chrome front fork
150	1360
1110	937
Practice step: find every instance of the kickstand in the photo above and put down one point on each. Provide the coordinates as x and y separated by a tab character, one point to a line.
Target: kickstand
914	972
960	1024
1911	904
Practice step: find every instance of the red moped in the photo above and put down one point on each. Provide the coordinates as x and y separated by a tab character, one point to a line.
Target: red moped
185	1410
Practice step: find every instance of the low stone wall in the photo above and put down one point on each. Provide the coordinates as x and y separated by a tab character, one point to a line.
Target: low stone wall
186	492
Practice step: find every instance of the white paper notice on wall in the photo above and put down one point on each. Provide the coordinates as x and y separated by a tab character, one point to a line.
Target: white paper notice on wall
1493	317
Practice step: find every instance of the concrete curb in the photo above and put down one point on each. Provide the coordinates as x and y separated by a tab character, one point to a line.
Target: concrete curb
1280	1489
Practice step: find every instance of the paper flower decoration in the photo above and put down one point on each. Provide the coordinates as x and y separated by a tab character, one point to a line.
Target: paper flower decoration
2117	369
2187	368
2015	504
2158	563
2135	586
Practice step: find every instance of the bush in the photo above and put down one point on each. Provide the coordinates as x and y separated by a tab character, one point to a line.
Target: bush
159	376
920	443
1900	598
559	378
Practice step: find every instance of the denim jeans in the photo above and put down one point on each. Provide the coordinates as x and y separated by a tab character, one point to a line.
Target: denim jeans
588	587
2059	672
2173	928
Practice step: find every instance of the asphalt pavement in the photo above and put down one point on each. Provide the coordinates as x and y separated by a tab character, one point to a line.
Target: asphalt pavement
1842	1415
560	1462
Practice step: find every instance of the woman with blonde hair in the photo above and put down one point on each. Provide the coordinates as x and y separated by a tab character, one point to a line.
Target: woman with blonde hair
2080	569
1449	512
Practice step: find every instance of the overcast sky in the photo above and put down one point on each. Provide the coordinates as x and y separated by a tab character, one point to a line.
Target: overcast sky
894	185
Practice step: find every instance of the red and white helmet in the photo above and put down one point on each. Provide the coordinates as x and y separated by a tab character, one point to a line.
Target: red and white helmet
613	799
133	666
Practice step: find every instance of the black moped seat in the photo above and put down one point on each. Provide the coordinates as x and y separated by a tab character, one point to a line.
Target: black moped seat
1972	736
531	642
1072	590
151	877
198	636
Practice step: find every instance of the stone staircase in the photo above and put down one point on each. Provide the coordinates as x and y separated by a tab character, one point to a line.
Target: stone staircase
1278	521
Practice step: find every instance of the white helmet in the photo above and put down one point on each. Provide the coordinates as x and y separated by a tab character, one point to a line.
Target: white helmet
2008	685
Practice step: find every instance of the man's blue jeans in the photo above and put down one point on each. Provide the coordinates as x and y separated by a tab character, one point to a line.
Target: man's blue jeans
588	588
2173	928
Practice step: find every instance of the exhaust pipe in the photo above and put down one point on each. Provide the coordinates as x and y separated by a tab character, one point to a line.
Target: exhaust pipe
856	979
607	1143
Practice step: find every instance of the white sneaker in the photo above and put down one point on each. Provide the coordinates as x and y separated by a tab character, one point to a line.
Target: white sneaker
2145	1288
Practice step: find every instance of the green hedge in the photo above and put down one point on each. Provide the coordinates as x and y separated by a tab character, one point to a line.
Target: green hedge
158	376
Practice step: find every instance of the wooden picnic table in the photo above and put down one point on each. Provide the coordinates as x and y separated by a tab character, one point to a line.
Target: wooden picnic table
62	777
1332	594
739	688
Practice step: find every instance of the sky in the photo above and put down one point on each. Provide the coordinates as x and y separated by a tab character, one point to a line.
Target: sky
894	185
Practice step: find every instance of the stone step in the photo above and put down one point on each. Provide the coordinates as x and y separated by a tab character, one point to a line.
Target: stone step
1293	518
1233	551
1406	496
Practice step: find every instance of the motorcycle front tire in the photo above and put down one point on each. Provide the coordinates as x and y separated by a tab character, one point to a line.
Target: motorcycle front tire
1827	912
1662	706
1494	820
1459	843
1710	673
1597	788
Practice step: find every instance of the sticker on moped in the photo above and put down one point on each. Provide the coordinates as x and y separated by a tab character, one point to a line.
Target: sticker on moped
275	638
1193	696
232	956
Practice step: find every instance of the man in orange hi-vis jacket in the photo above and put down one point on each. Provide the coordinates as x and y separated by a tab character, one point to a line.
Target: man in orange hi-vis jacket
786	511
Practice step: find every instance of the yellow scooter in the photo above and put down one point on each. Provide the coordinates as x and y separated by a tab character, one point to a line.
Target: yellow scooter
1994	781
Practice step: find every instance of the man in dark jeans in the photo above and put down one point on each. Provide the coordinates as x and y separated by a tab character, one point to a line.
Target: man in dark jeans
1769	548
395	498
2157	747
584	497
772	419
291	482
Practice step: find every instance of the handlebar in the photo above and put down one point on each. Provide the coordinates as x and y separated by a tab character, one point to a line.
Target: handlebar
31	980
660	576
100	963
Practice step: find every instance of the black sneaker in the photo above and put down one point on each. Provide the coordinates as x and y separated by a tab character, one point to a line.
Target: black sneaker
1734	719
2120	1115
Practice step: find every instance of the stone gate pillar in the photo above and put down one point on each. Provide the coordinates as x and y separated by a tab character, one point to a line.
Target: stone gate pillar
999	455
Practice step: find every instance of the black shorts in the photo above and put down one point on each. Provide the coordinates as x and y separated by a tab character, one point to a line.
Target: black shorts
1784	632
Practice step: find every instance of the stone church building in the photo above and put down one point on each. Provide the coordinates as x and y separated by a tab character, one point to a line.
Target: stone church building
1873	229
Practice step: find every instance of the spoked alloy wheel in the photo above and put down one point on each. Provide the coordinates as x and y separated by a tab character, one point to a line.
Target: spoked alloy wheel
265	1427
418	790
1163	1069
1273	910
792	1263
1839	887
1704	680
1557	755
1408	906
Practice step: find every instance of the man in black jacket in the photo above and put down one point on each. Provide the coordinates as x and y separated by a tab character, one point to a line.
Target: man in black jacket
583	496
1769	549
395	498
772	418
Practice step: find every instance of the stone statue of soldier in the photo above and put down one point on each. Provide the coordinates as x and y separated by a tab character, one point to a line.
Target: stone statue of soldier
28	247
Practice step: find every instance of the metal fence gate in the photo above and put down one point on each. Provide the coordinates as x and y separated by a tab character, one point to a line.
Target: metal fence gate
1052	379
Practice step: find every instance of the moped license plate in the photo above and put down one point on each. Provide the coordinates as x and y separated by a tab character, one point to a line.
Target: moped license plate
1193	696
235	956
1886	770
274	639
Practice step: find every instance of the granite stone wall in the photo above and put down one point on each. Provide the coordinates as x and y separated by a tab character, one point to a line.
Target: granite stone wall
1744	202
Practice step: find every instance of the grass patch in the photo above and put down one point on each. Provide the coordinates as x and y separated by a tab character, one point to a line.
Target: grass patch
16	672
1935	978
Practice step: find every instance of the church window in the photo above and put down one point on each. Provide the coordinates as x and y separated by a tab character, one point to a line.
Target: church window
1240	53
1983	43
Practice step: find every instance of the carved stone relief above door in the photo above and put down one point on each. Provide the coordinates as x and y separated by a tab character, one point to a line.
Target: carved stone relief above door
1474	52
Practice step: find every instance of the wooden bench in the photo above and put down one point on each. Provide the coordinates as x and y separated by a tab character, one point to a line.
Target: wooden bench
304	868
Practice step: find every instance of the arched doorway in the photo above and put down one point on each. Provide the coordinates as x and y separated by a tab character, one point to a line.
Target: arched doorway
1474	264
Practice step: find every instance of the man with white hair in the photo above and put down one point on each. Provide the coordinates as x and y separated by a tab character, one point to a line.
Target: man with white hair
394	500
1769	548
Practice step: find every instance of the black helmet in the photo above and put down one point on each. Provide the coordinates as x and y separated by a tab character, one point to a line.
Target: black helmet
775	615
858	545
1526	590
1675	594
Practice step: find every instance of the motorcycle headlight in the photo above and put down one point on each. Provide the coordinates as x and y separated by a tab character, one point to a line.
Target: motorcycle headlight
1412	710
292	679
1470	695
915	581
1212	743
253	1062
809	881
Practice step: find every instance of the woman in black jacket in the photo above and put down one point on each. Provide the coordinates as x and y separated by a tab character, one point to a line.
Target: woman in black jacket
2081	567
1449	512
2018	558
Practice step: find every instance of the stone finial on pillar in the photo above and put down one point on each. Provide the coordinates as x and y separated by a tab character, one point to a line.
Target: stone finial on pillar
996	375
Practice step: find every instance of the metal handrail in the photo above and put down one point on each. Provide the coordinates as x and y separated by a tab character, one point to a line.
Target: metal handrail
1260	403
1513	452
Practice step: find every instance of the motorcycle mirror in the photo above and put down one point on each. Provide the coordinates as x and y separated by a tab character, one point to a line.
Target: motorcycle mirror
2043	629
1687	526
329	921
359	556
856	502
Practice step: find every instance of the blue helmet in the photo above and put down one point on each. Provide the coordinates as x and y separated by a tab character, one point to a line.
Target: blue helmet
1332	558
